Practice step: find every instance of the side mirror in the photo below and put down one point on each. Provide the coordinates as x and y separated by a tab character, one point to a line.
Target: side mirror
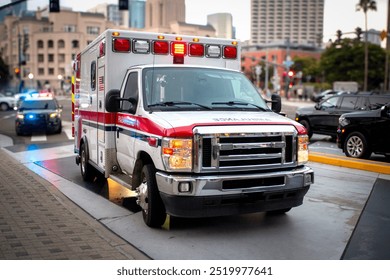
317	106
112	101
276	105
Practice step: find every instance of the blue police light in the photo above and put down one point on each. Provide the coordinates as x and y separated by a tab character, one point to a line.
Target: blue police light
30	117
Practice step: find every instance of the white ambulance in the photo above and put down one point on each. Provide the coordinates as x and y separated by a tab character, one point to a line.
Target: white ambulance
173	118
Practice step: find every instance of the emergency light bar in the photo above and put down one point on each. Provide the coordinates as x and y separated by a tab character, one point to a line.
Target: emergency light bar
178	48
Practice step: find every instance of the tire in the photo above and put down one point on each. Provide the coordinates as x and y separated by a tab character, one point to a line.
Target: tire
153	209
356	146
86	169
306	124
59	130
4	107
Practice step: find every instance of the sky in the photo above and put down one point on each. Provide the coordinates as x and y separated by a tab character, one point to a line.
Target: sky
338	14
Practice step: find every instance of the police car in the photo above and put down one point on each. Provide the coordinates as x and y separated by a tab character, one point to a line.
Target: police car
38	113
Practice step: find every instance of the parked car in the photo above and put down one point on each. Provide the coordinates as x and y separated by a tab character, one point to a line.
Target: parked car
360	134
6	102
317	97
323	118
38	114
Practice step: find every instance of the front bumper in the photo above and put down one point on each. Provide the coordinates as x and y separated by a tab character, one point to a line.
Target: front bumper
230	194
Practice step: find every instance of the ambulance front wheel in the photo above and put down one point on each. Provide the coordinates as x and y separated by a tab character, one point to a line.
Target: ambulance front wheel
153	209
85	167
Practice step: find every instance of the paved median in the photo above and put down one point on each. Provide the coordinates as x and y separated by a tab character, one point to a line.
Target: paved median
343	161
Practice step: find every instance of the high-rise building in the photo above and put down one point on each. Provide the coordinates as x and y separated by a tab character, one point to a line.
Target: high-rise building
137	13
297	21
222	23
111	13
161	13
15	10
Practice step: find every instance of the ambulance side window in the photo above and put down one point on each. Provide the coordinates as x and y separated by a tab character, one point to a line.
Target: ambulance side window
131	91
93	75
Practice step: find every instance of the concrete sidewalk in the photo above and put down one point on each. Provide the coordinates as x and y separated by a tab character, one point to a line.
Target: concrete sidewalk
38	222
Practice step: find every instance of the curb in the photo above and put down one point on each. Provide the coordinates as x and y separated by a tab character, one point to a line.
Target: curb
361	164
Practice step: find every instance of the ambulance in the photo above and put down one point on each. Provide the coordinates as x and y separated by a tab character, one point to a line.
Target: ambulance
173	118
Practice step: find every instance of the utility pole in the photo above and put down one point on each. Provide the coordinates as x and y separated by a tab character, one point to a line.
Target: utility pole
386	83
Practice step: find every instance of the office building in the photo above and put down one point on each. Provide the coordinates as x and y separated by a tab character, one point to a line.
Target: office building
292	21
137	14
15	10
43	46
222	23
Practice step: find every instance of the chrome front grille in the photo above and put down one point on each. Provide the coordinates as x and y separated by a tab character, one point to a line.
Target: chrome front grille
240	148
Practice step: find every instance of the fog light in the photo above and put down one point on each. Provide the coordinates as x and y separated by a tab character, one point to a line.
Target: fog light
184	187
307	179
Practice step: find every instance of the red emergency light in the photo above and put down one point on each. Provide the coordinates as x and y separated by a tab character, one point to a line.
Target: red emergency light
230	52
121	45
160	47
179	50
196	50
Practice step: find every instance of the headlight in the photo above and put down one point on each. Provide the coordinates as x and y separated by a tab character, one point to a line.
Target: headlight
53	115
20	116
343	121
177	154
303	149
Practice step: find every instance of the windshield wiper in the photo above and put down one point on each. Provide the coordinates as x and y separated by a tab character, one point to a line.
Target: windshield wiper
232	103
174	103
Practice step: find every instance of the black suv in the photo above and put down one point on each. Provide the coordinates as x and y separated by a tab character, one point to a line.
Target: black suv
361	133
323	118
37	114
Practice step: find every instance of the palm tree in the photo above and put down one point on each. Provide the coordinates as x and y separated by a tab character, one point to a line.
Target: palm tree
366	5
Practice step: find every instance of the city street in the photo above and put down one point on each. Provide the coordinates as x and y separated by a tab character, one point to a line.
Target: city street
303	233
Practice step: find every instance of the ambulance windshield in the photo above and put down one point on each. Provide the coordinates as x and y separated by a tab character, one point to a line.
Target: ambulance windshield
179	88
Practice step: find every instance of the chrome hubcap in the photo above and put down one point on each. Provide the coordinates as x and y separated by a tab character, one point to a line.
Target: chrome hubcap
355	146
142	200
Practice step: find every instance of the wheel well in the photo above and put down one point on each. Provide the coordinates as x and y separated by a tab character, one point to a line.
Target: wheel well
143	159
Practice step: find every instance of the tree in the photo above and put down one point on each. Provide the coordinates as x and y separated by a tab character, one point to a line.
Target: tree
343	62
366	5
309	67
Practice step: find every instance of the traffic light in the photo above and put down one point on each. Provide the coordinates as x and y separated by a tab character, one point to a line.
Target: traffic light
290	74
17	72
54	6
358	32
338	35
123	5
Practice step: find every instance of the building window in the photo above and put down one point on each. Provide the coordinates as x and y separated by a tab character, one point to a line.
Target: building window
75	44
93	30
40	44
61	44
50	57
51	71
70	28
41	71
61	71
50	44
41	58
61	57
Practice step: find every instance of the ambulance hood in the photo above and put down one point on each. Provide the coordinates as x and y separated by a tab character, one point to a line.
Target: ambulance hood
181	122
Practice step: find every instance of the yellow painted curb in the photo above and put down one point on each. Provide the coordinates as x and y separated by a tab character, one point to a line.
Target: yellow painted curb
343	161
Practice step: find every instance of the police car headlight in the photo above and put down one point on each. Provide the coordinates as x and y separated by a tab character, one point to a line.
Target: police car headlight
303	149
53	115
343	121
177	154
20	116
